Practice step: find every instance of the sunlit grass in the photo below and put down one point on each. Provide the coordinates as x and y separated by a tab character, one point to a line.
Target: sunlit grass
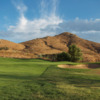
35	79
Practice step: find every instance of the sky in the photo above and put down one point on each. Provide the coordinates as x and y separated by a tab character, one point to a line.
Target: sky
23	20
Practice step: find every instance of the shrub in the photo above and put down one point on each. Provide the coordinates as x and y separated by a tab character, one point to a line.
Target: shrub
74	54
63	56
4	48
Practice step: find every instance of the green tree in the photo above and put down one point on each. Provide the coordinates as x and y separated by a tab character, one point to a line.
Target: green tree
75	53
63	56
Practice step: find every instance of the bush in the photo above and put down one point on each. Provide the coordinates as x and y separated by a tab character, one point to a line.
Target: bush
63	57
4	48
75	53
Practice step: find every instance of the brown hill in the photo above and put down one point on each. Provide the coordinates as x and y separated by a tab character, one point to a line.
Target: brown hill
11	49
50	45
11	45
60	43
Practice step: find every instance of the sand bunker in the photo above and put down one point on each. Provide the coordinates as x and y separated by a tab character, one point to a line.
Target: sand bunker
81	66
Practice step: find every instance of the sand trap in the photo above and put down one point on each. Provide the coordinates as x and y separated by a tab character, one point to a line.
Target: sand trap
82	66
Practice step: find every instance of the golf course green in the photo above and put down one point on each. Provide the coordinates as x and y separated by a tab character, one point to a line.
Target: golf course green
35	79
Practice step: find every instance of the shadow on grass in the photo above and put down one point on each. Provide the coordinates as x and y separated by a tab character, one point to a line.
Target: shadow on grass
78	80
22	77
93	66
77	77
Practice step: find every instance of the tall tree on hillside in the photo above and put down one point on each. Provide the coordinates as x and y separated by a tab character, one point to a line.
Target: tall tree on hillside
75	53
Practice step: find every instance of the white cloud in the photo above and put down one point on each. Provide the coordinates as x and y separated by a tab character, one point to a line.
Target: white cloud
87	29
20	6
35	26
50	24
43	26
82	26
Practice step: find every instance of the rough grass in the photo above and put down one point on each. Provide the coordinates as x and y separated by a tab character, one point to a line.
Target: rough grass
35	79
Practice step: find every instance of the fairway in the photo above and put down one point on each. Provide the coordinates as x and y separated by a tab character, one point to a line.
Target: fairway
35	79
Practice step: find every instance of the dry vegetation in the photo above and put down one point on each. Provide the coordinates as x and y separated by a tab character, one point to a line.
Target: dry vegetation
60	43
51	45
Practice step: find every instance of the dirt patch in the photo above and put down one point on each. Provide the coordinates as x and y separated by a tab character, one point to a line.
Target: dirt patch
82	66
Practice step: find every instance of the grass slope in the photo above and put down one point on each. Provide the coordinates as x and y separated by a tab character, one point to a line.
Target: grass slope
34	79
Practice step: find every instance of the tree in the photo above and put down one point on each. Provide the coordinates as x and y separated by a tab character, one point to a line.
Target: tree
63	56
75	53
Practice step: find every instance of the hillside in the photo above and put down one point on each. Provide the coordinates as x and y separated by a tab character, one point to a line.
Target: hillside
50	45
11	45
60	43
14	50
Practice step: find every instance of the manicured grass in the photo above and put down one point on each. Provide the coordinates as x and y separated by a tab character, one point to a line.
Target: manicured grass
35	79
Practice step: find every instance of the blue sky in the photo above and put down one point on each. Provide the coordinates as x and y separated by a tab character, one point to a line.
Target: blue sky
22	20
